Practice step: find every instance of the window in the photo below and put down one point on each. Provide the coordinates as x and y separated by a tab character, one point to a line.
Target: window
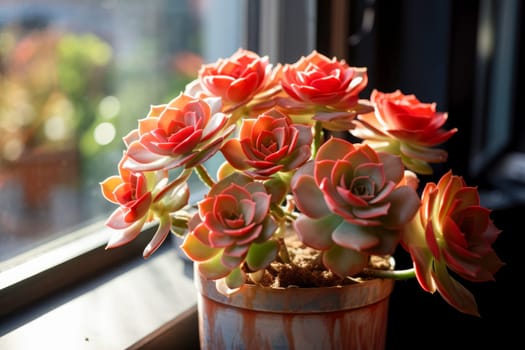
498	152
75	76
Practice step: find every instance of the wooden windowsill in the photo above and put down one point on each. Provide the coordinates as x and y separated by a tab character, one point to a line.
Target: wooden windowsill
142	303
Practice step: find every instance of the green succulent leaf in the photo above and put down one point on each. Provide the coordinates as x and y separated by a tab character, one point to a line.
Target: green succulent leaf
344	262
213	269
317	233
196	250
261	255
235	279
277	188
179	226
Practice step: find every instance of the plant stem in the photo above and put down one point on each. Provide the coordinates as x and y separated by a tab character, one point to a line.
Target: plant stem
204	175
176	182
393	274
318	137
283	251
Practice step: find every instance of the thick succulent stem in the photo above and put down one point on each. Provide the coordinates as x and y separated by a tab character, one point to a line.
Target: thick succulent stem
393	274
204	175
318	137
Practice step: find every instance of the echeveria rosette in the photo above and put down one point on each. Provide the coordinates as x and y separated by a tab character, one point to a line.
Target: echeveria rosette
405	126
328	88
237	79
183	133
142	197
233	226
353	203
269	144
452	232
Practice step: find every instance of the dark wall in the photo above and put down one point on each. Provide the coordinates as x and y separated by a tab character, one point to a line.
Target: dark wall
429	48
417	47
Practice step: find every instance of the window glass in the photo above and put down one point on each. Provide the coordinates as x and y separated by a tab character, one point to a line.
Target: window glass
75	76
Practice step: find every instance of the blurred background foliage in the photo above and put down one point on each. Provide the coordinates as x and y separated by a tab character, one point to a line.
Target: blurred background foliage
51	83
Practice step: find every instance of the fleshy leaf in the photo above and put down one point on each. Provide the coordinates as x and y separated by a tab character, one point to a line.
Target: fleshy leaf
160	235
454	293
317	233
196	250
235	279
213	268
261	254
354	237
344	262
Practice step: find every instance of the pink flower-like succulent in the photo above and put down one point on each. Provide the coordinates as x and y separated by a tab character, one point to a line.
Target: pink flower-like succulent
405	126
329	86
185	132
452	231
133	195
233	225
269	144
352	203
236	79
142	197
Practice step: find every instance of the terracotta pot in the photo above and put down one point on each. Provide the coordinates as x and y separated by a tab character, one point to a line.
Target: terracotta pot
349	317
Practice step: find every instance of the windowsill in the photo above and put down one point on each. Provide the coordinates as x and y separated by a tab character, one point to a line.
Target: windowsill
129	307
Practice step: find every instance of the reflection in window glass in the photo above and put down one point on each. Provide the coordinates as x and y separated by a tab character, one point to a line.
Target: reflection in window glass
76	75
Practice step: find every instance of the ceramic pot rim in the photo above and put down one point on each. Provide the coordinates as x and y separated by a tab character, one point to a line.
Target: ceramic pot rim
299	300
